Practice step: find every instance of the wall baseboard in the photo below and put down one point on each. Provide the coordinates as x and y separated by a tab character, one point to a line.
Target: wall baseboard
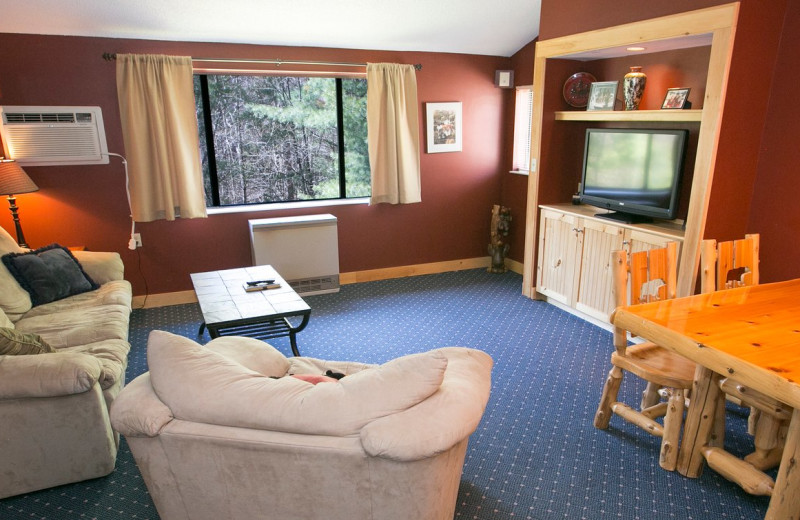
182	297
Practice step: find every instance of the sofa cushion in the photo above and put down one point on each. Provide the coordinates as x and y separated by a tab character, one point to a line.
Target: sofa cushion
201	385
81	326
117	292
49	273
14	342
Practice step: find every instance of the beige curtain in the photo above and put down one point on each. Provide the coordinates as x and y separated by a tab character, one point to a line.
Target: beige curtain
159	126
393	133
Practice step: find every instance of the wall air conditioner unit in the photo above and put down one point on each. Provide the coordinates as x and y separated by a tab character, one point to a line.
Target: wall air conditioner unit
49	136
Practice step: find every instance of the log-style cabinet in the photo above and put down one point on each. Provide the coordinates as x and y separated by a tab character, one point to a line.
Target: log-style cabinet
582	284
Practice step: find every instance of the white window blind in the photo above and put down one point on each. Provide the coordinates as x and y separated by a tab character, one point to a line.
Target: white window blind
522	129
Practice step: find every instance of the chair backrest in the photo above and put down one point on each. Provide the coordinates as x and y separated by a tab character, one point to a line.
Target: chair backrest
646	276
725	265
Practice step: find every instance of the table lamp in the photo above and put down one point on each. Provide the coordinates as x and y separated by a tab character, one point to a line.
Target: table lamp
14	180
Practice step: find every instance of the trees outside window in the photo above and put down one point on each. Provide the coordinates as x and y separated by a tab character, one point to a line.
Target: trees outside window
282	138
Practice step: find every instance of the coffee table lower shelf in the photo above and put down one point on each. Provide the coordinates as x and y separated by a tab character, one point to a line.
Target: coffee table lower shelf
262	330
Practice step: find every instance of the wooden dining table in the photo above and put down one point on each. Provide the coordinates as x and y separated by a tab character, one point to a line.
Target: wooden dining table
751	334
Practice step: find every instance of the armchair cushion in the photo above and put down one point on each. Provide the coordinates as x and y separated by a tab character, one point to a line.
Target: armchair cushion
49	273
201	385
14	342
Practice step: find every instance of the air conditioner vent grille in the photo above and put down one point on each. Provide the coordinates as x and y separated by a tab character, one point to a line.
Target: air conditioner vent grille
22	117
316	285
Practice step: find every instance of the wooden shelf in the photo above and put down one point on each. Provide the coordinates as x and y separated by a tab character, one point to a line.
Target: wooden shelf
632	115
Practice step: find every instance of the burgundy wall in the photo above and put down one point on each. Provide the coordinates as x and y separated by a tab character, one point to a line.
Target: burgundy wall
776	210
86	205
758	114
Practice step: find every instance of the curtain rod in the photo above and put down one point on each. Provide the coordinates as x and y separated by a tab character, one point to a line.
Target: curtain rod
109	56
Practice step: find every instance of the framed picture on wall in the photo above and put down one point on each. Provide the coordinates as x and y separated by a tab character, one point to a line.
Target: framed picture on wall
602	95
676	98
443	127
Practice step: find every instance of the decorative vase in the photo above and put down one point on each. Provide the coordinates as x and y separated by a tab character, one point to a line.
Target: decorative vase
633	87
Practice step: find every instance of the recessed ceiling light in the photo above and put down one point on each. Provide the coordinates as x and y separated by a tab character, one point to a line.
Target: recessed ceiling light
635	49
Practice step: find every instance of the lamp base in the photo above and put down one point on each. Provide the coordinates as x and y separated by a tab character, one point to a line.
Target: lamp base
17	226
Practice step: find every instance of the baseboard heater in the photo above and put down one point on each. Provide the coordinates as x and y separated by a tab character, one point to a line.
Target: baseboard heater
304	250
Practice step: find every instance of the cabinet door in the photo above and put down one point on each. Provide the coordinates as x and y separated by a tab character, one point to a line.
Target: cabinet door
637	240
594	296
559	246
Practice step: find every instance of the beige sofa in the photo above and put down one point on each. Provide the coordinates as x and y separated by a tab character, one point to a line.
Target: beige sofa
225	431
54	425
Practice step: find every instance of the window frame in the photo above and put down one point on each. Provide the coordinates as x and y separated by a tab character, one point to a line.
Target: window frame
217	207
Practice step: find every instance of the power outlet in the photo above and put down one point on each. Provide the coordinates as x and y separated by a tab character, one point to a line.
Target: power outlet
137	237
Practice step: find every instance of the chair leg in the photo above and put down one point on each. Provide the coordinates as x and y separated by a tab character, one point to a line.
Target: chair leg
650	396
610	390
673	420
768	444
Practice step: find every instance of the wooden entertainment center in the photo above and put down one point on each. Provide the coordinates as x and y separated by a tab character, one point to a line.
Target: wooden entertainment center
567	248
575	254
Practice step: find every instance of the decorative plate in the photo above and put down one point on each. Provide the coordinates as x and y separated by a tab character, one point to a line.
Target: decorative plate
576	89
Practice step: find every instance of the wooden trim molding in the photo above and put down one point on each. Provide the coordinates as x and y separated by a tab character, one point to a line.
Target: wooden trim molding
182	297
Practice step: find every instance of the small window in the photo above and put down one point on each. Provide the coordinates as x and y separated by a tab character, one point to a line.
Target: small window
523	112
270	139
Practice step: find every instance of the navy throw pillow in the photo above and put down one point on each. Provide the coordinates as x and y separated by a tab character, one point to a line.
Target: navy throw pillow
49	273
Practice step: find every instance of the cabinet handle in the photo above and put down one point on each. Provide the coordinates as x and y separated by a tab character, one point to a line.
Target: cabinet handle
626	243
576	230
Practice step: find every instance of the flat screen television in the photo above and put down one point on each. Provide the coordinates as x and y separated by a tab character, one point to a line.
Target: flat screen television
635	174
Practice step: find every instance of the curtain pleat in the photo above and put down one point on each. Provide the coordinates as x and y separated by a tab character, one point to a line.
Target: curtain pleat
159	128
393	133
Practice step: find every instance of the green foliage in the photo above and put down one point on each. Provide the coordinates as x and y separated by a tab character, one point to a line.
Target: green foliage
276	138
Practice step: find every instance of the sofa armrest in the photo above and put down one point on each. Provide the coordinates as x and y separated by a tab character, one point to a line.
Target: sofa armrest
101	266
443	420
47	375
137	411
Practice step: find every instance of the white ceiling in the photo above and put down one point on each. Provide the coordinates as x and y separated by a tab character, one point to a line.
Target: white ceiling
488	27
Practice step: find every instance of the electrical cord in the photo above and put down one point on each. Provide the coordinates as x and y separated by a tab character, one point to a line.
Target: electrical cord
132	240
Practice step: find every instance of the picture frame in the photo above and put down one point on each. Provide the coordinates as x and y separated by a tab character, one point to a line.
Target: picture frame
676	99
602	95
444	126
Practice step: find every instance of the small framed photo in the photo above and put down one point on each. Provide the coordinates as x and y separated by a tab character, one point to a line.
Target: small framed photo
444	127
676	98
602	95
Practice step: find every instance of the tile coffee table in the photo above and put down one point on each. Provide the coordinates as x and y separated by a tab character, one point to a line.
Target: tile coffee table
229	310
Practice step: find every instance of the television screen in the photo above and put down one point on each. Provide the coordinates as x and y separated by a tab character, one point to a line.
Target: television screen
633	172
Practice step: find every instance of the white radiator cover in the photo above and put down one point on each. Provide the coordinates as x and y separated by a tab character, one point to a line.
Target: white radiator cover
304	250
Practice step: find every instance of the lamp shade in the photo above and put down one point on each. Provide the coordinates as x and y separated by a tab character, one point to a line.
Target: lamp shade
13	179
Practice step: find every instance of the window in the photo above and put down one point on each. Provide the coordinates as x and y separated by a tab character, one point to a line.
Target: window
523	112
282	138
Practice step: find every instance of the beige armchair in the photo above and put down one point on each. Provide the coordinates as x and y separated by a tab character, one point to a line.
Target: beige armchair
226	431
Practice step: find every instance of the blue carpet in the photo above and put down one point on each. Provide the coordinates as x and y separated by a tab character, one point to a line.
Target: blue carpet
535	454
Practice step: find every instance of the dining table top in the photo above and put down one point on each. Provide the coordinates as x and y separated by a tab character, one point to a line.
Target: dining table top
749	333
